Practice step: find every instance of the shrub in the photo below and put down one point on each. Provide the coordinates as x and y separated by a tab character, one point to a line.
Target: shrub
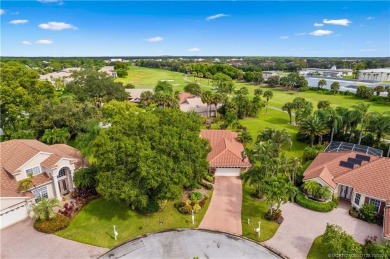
209	178
197	208
336	241
353	213
52	225
203	201
368	213
309	153
303	201
274	216
195	196
151	207
208	186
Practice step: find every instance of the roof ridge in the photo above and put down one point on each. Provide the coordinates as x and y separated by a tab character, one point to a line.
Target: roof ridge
330	161
223	150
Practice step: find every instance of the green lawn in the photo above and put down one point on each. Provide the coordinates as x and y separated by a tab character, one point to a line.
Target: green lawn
255	211
317	250
276	120
143	77
94	223
281	96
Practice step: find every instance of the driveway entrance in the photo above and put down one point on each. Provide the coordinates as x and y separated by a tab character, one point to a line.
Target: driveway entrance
224	212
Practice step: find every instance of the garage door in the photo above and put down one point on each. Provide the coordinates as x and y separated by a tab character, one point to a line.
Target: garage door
16	214
227	172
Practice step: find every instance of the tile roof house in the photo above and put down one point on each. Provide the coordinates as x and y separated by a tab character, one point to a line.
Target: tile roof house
110	70
227	153
135	94
359	178
52	168
191	102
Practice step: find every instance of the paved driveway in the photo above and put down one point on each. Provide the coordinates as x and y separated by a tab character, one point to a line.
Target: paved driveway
23	241
224	212
190	244
301	226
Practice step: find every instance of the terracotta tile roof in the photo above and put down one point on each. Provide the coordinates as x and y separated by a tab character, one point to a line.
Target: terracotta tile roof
225	149
386	223
184	96
371	178
15	153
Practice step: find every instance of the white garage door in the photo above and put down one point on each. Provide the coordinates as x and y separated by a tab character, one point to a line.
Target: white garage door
227	172
9	217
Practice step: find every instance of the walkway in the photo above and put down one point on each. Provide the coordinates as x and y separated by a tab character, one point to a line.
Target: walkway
190	244
23	241
301	226
224	212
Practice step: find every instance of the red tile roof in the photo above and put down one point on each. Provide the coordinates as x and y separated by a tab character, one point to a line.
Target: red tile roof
225	149
15	153
386	223
371	178
184	96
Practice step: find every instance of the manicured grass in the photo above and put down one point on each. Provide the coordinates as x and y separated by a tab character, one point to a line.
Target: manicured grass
94	223
255	211
276	120
142	77
281	96
317	250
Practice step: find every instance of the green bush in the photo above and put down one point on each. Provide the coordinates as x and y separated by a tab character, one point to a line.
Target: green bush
197	208
195	196
151	207
368	213
309	153
209	178
208	186
303	201
52	225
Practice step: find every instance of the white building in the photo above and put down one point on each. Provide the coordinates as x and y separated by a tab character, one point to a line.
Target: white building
52	168
333	72
380	74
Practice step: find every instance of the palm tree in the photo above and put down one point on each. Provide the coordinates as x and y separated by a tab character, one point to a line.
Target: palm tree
43	210
313	127
244	137
255	177
208	76
279	137
335	86
362	111
268	95
56	135
146	98
217	98
333	119
321	83
25	184
293	164
379	89
194	74
311	187
379	124
289	108
258	91
207	98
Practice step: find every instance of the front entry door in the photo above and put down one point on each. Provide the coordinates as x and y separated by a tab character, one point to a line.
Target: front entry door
64	189
345	192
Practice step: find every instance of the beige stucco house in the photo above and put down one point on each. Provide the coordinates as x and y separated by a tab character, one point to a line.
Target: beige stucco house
52	168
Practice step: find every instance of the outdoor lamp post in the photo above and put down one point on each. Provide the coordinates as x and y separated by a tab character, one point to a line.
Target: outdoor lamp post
259	228
193	218
115	233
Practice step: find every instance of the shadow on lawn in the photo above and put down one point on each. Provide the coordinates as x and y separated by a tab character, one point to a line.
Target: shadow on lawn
107	210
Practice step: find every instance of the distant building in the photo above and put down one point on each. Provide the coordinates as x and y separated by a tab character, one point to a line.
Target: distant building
109	70
380	74
268	74
65	74
333	72
135	94
191	102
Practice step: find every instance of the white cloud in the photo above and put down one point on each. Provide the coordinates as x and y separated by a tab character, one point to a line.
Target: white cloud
2	11
321	32
26	42
216	16
342	22
16	22
367	50
369	18
194	49
56	26
44	42
155	39
284	37
318	24
300	33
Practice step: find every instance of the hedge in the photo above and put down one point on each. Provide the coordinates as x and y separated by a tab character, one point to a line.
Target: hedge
52	225
303	201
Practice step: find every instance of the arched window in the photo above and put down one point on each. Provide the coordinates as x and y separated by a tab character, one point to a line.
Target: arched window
62	172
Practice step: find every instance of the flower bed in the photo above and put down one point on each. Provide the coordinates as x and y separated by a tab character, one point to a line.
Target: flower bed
52	225
305	202
195	202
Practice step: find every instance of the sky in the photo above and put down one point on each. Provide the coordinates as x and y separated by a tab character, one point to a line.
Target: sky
195	28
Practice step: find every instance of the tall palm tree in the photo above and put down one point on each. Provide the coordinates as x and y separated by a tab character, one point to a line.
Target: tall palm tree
208	76
293	165
362	110
289	108
43	210
244	137
333	118
268	95
335	86
255	177
313	127
379	124
207	98
25	184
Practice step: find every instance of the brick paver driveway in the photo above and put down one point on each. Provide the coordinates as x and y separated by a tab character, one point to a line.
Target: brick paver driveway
301	226
23	241
224	212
